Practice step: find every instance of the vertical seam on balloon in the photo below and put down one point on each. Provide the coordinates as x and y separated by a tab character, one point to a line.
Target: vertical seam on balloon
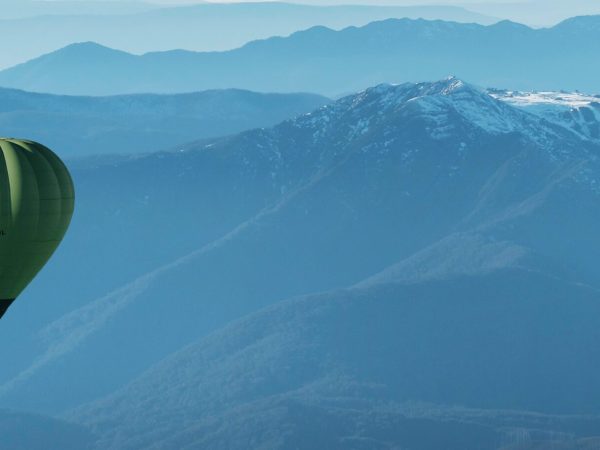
5	207
32	185
55	175
11	158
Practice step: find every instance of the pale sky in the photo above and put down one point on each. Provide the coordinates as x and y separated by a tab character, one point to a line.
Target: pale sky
531	12
363	2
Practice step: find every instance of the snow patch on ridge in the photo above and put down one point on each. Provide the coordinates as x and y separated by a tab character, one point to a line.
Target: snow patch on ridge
545	98
578	112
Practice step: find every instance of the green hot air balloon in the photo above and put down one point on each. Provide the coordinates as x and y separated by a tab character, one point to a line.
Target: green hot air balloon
36	205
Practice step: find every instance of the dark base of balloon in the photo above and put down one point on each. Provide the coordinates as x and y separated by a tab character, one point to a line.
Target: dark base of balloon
4	304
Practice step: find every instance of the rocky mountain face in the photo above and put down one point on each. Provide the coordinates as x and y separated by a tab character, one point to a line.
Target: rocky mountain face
408	246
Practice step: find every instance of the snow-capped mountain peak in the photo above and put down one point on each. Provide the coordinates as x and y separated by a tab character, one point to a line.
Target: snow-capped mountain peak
379	120
443	105
452	98
385	99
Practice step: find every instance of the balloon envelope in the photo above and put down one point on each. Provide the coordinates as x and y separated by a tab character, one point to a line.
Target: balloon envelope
36	205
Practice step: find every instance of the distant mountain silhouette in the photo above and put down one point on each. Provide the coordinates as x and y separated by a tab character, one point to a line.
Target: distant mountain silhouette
83	126
139	28
487	211
506	55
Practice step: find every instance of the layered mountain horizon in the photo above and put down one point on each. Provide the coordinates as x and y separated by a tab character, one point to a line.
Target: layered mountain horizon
332	224
140	27
276	279
332	63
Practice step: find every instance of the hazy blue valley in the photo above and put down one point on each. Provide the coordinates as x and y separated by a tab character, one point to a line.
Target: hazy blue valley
376	237
143	123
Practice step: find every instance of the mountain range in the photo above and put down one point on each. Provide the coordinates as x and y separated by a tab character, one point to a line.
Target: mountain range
82	126
412	257
328	62
140	28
